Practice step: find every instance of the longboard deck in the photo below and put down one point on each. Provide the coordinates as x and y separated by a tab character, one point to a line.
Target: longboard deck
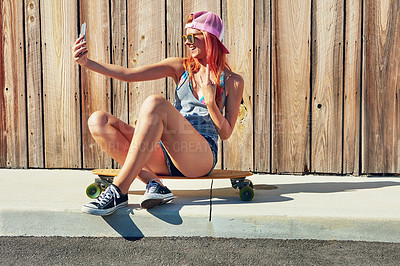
216	174
237	178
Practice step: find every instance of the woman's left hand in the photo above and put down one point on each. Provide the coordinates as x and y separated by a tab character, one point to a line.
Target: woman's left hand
208	88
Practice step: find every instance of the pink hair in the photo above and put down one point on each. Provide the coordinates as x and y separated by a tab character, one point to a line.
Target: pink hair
216	59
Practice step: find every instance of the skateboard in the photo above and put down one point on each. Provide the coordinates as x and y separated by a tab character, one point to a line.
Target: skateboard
238	181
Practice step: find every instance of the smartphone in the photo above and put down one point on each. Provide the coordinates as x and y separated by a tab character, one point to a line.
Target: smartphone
83	32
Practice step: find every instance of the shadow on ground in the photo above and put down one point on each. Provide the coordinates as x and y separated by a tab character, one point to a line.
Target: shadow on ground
121	221
169	213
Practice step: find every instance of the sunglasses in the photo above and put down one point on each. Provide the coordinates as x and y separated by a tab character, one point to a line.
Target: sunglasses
190	37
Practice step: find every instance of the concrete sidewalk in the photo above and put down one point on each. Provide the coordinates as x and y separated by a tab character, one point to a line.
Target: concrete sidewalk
48	203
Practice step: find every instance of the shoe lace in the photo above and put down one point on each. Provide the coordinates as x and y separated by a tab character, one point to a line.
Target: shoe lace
105	197
152	186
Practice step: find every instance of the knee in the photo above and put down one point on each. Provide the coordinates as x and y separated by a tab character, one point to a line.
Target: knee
97	122
153	104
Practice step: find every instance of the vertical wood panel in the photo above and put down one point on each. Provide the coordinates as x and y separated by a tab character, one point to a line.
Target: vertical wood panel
381	85
96	88
262	88
190	6
174	40
14	84
3	137
146	37
60	84
352	83
55	105
327	86
291	86
34	83
238	18
119	56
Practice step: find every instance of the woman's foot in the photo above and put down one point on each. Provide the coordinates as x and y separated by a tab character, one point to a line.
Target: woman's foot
155	195
108	202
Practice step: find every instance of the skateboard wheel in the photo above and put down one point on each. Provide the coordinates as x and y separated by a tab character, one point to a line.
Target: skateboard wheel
246	193
93	191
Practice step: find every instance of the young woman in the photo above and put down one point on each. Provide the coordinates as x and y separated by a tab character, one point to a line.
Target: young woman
179	139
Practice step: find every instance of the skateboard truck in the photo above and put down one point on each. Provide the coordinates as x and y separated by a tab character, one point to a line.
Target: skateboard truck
245	187
100	184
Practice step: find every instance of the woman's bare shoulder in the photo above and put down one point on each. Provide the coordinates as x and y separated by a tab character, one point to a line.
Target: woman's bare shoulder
233	81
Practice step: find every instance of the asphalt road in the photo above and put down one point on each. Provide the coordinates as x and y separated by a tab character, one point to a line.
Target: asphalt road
192	251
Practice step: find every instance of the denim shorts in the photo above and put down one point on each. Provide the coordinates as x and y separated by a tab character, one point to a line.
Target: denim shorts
173	171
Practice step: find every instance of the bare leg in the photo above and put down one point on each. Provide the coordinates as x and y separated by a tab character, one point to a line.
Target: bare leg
160	120
114	137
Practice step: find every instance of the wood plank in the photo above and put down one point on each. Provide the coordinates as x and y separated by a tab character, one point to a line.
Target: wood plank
216	174
34	84
119	56
146	38
262	88
174	39
352	85
3	137
96	88
15	140
291	86
190	6
238	20
381	85
327	86
61	103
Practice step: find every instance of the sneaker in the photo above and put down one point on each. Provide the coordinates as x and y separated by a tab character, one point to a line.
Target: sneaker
155	195
108	202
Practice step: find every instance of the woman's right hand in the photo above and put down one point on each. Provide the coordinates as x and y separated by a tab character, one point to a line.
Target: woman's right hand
80	51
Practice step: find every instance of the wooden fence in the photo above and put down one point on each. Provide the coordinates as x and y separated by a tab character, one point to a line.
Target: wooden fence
321	80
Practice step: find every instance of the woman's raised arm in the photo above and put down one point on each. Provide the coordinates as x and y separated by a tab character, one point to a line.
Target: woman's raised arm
170	67
166	68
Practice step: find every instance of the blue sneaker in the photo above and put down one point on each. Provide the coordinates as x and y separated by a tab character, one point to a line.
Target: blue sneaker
155	195
108	202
